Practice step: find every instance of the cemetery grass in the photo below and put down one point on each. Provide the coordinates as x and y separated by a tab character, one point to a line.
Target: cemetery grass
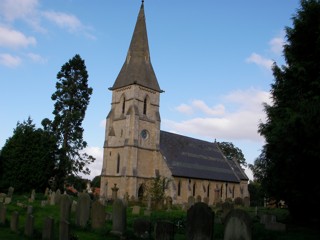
175	215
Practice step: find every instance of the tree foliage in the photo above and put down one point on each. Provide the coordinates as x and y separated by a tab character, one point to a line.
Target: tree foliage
28	158
71	97
287	164
156	188
232	152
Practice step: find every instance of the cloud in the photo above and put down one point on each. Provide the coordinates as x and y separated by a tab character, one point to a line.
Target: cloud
36	58
9	60
277	43
64	20
17	9
199	105
260	61
239	120
96	166
14	39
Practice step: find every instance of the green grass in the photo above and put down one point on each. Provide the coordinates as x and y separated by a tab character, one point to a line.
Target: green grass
175	215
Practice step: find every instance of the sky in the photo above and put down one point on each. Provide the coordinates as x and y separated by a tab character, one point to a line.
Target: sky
212	59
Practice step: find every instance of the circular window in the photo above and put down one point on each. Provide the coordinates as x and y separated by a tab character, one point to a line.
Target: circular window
144	134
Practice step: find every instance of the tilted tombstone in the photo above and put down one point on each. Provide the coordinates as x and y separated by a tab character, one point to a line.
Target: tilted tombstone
98	215
119	217
65	207
14	222
136	210
142	228
29	225
237	225
48	229
83	209
164	230
200	222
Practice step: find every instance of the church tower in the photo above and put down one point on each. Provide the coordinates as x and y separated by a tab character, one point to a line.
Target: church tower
132	134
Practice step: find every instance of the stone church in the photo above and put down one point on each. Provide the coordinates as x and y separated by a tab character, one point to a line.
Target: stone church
136	150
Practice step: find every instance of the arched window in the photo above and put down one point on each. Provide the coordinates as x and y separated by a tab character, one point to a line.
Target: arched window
233	192
194	189
118	163
221	190
145	106
208	190
179	188
123	104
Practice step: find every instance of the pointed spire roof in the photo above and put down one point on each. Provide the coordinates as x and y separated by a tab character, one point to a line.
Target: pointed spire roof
137	68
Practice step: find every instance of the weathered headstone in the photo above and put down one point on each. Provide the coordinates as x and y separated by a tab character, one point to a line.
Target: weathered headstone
164	230
142	228
3	212
48	229
198	199
119	217
65	207
57	197
114	192
7	200
29	225
200	221
29	209
98	215
74	206
190	201
83	209
32	196
14	221
46	192
136	210
53	198
10	192
64	232
237	225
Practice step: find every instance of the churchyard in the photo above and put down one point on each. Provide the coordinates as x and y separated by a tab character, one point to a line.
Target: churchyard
53	215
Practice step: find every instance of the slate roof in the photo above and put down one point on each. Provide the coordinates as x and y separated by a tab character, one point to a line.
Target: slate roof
193	158
137	68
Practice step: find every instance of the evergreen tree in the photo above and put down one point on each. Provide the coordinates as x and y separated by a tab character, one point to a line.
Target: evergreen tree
28	158
71	98
292	130
232	152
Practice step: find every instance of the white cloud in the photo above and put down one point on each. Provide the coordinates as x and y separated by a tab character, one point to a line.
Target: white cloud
244	112
277	43
201	106
14	39
260	61
17	9
9	60
36	58
96	166
63	20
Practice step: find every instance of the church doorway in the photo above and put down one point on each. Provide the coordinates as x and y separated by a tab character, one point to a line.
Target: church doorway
141	192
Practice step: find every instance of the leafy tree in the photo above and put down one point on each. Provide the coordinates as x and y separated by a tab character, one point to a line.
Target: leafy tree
256	193
232	152
96	181
71	98
292	128
156	189
28	158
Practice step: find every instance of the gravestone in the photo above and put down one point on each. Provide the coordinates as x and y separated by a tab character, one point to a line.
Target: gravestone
136	210
169	203
33	195
190	201
10	192
198	199
29	226
98	215
46	192
114	192
83	209
200	221
237	225
74	206
7	200
3	212
226	208
65	207
29	209
57	197
14	222
142	228
119	217
48	229
53	198
64	232
164	230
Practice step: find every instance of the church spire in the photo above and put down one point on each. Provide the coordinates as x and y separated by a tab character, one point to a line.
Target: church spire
137	68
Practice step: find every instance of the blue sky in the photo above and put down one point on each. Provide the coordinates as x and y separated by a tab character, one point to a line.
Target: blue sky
212	58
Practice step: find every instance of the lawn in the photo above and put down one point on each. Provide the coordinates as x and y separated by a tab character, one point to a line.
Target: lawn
176	215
